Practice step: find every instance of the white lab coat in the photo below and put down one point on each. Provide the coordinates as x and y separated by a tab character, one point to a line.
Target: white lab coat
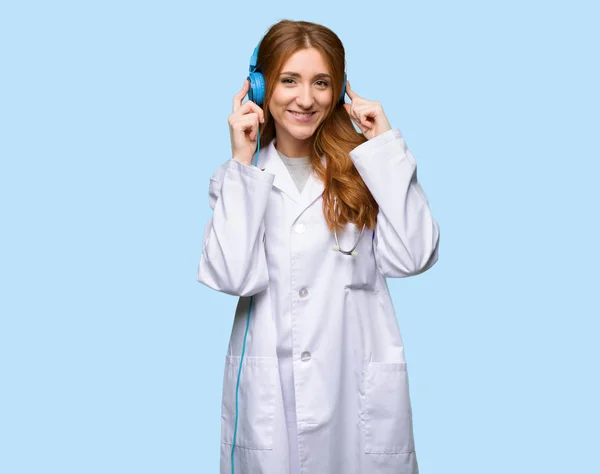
324	384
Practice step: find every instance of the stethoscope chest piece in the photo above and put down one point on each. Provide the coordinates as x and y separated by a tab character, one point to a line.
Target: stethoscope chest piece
352	252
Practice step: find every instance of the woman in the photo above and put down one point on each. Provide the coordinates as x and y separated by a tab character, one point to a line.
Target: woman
315	376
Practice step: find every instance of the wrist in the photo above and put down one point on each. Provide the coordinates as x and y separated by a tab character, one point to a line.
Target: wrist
243	161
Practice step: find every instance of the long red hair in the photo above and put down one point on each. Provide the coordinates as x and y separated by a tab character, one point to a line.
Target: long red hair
336	136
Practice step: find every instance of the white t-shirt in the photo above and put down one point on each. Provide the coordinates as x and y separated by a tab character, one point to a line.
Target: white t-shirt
299	168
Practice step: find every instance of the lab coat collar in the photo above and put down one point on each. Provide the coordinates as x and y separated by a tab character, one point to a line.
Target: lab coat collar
270	161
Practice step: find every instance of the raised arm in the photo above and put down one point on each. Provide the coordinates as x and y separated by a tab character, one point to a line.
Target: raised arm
233	257
406	237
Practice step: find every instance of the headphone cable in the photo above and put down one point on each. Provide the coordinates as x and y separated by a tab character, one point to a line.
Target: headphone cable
237	386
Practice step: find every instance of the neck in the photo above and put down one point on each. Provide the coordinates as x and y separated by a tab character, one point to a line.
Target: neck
292	147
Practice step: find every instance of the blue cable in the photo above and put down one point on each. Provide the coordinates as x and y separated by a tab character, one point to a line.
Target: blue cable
237	386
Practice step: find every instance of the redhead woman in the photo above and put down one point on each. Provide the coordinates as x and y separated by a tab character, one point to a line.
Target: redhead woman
310	216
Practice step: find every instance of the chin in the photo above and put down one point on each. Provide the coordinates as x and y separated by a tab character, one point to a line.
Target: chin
301	134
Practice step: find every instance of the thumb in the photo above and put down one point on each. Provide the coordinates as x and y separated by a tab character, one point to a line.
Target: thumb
347	107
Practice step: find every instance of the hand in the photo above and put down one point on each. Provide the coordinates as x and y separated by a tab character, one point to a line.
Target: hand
243	126
366	114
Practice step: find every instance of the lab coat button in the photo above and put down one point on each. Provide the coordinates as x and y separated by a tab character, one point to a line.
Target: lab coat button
300	228
303	292
305	356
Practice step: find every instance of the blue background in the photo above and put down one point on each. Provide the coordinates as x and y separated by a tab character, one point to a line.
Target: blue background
113	117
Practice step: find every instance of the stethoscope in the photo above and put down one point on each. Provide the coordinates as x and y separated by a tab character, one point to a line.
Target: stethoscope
352	252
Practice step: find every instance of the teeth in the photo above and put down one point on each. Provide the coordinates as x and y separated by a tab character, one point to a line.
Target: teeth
301	115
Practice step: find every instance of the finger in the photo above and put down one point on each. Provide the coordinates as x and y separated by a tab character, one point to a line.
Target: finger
250	106
248	125
355	113
242	122
348	108
237	99
349	91
353	117
367	118
352	112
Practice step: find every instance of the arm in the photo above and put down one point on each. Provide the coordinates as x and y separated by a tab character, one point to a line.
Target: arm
406	235
233	258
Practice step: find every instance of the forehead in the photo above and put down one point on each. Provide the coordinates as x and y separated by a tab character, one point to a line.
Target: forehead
306	61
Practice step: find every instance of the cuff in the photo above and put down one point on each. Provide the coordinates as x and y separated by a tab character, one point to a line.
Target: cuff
390	142
250	170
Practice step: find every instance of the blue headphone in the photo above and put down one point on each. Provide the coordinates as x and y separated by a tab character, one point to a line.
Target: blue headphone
256	93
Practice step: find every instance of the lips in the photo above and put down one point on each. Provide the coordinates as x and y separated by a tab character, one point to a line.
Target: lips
301	116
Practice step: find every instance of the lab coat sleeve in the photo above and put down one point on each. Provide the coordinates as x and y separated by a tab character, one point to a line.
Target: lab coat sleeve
233	258
406	237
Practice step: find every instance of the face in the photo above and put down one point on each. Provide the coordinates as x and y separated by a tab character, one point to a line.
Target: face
300	100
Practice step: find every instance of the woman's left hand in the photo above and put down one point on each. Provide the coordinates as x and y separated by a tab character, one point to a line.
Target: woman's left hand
366	114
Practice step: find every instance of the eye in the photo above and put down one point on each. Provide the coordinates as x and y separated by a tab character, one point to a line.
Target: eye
284	81
324	83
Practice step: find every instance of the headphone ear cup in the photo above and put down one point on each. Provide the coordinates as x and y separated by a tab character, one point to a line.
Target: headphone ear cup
343	95
256	93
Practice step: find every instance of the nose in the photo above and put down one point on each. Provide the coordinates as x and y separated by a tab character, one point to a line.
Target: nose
305	97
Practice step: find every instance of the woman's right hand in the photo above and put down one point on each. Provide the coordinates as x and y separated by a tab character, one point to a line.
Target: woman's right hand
243	126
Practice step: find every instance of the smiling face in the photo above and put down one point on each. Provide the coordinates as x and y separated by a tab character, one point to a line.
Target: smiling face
300	101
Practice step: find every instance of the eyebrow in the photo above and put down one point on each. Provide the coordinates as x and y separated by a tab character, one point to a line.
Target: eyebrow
295	74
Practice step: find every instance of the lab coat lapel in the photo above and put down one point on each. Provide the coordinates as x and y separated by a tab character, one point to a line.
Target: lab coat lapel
313	189
270	161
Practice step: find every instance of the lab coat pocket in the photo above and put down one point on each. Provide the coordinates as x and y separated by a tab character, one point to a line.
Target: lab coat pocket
387	413
361	269
255	402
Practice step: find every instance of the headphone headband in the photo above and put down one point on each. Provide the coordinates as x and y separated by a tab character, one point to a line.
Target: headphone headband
254	58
